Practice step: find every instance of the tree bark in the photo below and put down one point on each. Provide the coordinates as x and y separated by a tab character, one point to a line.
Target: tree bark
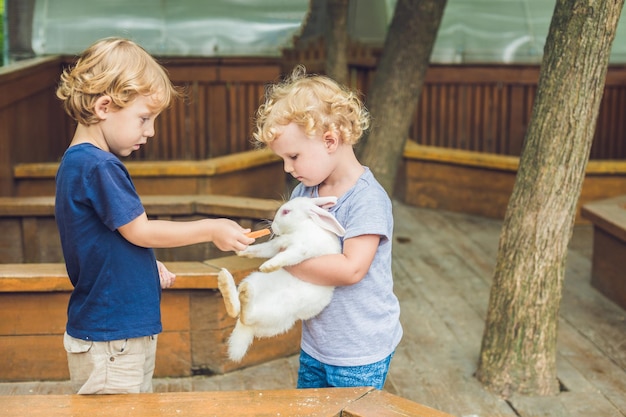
336	38
19	20
518	353
397	85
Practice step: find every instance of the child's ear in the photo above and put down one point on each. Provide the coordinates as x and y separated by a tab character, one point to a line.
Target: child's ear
103	106
331	141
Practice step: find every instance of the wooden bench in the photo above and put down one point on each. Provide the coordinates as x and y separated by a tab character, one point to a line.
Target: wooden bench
33	304
346	402
609	246
481	183
30	234
257	173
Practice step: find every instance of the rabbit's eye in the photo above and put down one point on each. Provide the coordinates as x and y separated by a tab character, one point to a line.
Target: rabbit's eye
284	212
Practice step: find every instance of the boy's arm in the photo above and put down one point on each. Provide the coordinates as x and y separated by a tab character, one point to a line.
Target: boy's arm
224	233
346	268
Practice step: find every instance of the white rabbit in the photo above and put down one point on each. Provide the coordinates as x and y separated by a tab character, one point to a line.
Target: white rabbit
270	302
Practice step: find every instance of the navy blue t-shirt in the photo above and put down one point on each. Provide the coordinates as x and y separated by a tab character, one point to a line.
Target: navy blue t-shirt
116	292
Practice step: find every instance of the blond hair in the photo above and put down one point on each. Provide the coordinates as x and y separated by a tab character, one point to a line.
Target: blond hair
118	68
316	103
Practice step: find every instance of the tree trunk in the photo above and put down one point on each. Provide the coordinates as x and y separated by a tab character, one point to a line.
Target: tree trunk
518	351
19	21
336	38
397	85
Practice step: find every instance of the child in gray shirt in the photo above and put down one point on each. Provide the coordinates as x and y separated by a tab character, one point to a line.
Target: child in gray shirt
312	123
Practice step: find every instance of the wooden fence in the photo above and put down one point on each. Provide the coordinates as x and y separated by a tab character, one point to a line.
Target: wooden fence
483	108
488	108
215	119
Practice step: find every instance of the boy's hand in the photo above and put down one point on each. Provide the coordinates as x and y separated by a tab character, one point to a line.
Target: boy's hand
229	235
166	277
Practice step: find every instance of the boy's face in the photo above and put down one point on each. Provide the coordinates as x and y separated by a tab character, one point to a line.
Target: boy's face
125	130
307	159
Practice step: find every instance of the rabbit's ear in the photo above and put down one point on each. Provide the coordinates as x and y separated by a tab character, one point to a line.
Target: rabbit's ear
325	220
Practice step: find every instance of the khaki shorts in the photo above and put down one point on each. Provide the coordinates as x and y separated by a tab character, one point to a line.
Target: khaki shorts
114	367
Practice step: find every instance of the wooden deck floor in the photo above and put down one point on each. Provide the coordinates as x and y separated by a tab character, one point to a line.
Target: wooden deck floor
443	268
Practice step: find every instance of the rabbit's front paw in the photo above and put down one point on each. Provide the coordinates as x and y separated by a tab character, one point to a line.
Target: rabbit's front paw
269	266
255	251
246	253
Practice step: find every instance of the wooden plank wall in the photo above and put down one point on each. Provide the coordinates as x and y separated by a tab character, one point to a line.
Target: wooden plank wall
483	108
32	123
214	119
487	109
477	107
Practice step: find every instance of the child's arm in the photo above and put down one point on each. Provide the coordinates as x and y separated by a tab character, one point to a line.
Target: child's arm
346	268
224	233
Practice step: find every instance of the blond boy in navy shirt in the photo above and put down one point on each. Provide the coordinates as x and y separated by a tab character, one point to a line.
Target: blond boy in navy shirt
115	92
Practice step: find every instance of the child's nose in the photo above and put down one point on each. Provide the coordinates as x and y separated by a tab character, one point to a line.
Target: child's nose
149	132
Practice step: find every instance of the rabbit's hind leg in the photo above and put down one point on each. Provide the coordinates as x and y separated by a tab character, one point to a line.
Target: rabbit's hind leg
227	287
245	301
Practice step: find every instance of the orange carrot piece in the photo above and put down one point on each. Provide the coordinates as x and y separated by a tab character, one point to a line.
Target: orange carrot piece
258	233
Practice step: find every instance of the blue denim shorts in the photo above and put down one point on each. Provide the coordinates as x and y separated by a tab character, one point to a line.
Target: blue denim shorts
315	374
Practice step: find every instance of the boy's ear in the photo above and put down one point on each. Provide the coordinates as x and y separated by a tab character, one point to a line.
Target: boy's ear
331	140
103	106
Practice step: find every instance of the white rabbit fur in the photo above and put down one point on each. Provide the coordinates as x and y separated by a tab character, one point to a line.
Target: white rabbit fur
269	302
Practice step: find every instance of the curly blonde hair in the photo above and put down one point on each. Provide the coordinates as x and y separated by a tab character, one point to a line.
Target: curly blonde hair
316	103
118	68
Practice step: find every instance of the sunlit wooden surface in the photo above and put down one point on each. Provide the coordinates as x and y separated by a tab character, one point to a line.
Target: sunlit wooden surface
443	265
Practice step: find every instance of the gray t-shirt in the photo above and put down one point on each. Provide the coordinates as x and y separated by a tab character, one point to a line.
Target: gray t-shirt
361	325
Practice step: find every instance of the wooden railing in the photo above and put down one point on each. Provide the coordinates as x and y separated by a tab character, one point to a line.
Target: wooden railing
257	173
481	183
30	234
